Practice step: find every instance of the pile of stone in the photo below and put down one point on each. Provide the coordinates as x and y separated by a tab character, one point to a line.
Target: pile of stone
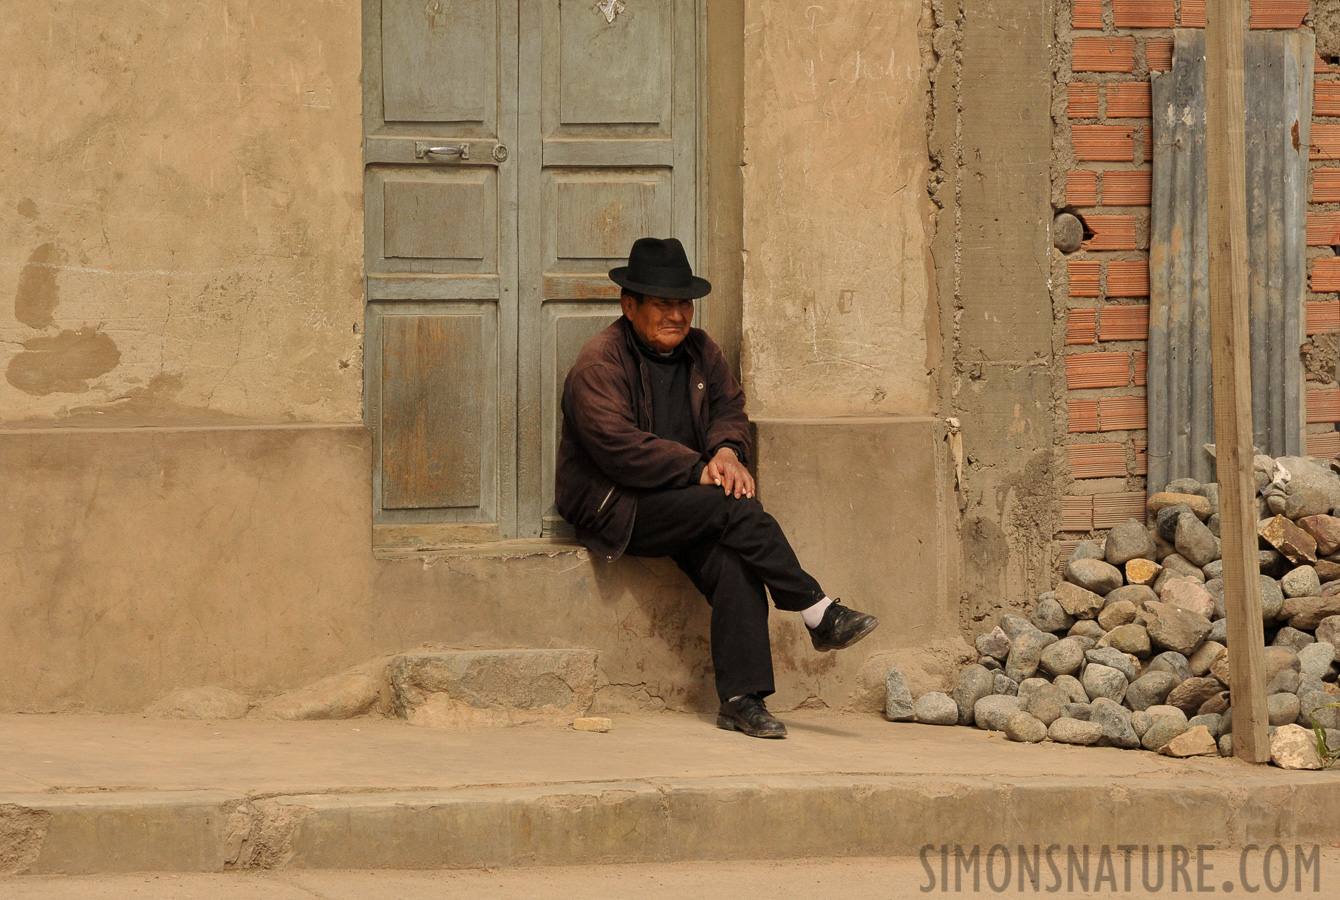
1131	648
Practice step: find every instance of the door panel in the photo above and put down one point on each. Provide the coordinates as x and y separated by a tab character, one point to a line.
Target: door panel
448	220
611	156
597	214
440	61
435	422
440	260
613	73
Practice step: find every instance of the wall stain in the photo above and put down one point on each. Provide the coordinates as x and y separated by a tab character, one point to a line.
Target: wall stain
27	208
38	295
63	363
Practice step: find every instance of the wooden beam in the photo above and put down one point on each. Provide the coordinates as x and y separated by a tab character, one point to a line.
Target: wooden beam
1230	347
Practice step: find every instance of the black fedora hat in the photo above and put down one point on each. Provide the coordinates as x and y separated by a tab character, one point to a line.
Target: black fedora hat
660	268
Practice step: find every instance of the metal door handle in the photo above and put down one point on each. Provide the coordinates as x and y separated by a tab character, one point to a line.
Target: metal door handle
423	149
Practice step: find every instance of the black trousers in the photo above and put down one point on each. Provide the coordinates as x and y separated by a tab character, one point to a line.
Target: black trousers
731	549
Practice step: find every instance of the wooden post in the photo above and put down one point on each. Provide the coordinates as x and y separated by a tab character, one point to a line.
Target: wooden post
1230	345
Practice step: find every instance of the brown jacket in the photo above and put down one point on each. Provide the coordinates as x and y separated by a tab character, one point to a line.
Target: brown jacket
607	454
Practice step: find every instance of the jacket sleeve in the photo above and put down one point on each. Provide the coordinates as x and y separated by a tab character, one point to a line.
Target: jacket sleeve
596	401
727	425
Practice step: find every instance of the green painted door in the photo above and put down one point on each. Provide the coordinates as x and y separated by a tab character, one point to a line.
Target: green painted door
514	150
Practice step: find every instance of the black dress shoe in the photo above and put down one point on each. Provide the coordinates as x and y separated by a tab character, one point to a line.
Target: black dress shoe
748	714
841	627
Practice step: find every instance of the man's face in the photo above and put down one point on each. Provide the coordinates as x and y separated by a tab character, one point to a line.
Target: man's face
662	324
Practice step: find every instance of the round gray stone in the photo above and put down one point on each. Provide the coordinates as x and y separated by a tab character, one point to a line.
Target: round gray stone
1286	682
991	713
1214	568
1116	659
1137	594
1226	744
1115	720
1165	521
1150	689
1114	615
1004	686
1025	728
1212	722
1087	550
1272	599
1050	617
1026	689
1175	628
1308	684
1315	705
1171	661
1291	637
1044	703
1185	486
898	704
1317	660
936	708
1195	541
1163	727
1132	639
1086	628
1083	711
1025	653
1301	582
975	683
1075	731
1072	687
1127	541
1067	233
1062	658
1094	575
1140	722
1219	631
1328	630
990	663
995	643
1199	662
1282	709
1104	681
1178	566
1014	625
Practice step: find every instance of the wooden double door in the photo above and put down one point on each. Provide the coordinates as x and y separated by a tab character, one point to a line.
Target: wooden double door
513	151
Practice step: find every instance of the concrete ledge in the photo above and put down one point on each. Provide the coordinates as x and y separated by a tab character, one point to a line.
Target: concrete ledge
772	817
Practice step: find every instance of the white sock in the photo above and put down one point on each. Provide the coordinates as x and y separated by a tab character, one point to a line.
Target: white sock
736	697
815	614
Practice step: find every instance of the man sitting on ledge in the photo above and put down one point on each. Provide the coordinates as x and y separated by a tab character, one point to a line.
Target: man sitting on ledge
652	463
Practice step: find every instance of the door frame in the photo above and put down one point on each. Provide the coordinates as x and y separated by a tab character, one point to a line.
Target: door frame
719	223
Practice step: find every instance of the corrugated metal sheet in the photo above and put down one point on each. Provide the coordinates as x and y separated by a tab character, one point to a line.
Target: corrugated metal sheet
1279	103
1279	118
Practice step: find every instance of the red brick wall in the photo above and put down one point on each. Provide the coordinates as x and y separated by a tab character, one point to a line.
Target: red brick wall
1101	113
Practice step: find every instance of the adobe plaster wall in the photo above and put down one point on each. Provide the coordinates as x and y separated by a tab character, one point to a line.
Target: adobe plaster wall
181	218
838	314
155	559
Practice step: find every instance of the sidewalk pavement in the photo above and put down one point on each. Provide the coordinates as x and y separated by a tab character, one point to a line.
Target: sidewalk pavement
107	794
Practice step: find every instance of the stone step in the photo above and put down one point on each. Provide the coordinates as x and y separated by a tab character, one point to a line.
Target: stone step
492	687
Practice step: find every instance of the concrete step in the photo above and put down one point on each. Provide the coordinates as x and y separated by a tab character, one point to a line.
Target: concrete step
119	794
492	687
